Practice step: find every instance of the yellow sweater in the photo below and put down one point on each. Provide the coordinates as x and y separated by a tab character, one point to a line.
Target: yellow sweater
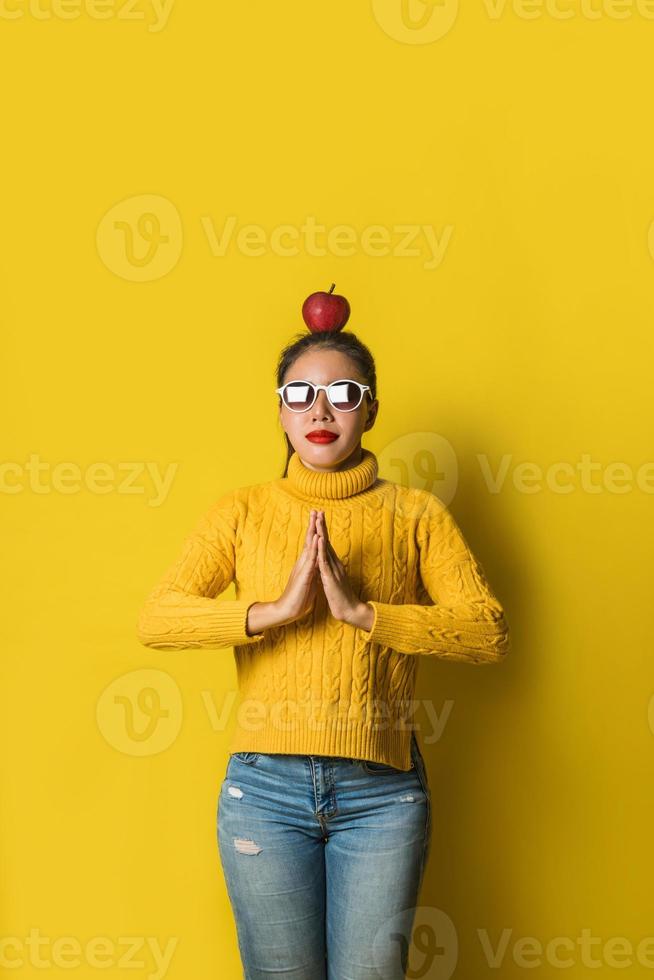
319	686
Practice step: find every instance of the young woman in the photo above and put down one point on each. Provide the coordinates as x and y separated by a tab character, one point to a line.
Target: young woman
342	581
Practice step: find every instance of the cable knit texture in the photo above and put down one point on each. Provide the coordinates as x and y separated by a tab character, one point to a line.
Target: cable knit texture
318	686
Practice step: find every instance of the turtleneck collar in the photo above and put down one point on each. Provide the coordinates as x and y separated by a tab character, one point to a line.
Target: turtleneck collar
335	485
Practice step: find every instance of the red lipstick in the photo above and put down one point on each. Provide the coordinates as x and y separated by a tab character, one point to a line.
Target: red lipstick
321	436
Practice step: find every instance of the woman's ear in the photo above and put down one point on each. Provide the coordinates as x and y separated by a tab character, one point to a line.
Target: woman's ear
372	415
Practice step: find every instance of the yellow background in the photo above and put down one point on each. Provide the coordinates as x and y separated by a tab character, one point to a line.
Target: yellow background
529	137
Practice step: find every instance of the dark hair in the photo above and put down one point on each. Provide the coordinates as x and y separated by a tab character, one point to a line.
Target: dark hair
346	342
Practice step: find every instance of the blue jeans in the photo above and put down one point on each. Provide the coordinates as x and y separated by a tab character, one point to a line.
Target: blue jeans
323	858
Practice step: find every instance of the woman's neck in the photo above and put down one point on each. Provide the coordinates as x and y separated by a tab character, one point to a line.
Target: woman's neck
353	459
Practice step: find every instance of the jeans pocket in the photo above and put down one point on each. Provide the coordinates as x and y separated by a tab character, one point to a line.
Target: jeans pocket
248	758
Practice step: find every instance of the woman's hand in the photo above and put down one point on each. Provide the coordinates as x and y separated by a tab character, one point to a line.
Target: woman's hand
300	592
343	602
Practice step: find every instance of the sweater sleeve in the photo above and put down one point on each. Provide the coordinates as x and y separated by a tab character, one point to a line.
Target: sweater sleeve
181	612
466	621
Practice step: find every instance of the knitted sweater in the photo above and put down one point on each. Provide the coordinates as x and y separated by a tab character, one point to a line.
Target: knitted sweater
319	686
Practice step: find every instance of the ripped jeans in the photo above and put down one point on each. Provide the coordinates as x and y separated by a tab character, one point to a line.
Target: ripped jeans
323	858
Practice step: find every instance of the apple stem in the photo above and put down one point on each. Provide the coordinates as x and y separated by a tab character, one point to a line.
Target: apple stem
332	286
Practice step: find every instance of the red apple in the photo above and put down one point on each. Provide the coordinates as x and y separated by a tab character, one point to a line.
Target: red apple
325	311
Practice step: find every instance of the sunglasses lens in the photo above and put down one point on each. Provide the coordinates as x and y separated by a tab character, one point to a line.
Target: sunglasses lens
298	396
344	395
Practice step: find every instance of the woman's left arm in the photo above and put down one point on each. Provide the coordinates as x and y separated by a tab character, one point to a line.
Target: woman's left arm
466	621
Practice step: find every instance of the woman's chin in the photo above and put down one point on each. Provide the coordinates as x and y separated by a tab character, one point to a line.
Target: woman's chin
329	455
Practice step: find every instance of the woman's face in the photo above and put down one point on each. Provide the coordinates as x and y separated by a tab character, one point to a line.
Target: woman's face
323	367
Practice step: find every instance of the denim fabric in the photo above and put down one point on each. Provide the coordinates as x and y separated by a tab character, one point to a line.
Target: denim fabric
323	858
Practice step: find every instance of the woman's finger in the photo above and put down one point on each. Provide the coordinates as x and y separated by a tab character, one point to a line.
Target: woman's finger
311	534
328	563
312	564
330	550
322	555
323	530
310	528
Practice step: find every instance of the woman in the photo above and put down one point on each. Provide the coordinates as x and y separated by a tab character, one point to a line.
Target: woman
342	580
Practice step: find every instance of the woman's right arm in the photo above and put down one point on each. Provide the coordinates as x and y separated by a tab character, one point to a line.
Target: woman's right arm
181	611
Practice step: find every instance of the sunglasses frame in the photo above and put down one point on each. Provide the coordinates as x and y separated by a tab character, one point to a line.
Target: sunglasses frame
325	388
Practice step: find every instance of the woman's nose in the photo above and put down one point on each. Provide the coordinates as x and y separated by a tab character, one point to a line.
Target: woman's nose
321	406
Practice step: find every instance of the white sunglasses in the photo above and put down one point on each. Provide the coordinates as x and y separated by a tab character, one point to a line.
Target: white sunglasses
344	395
